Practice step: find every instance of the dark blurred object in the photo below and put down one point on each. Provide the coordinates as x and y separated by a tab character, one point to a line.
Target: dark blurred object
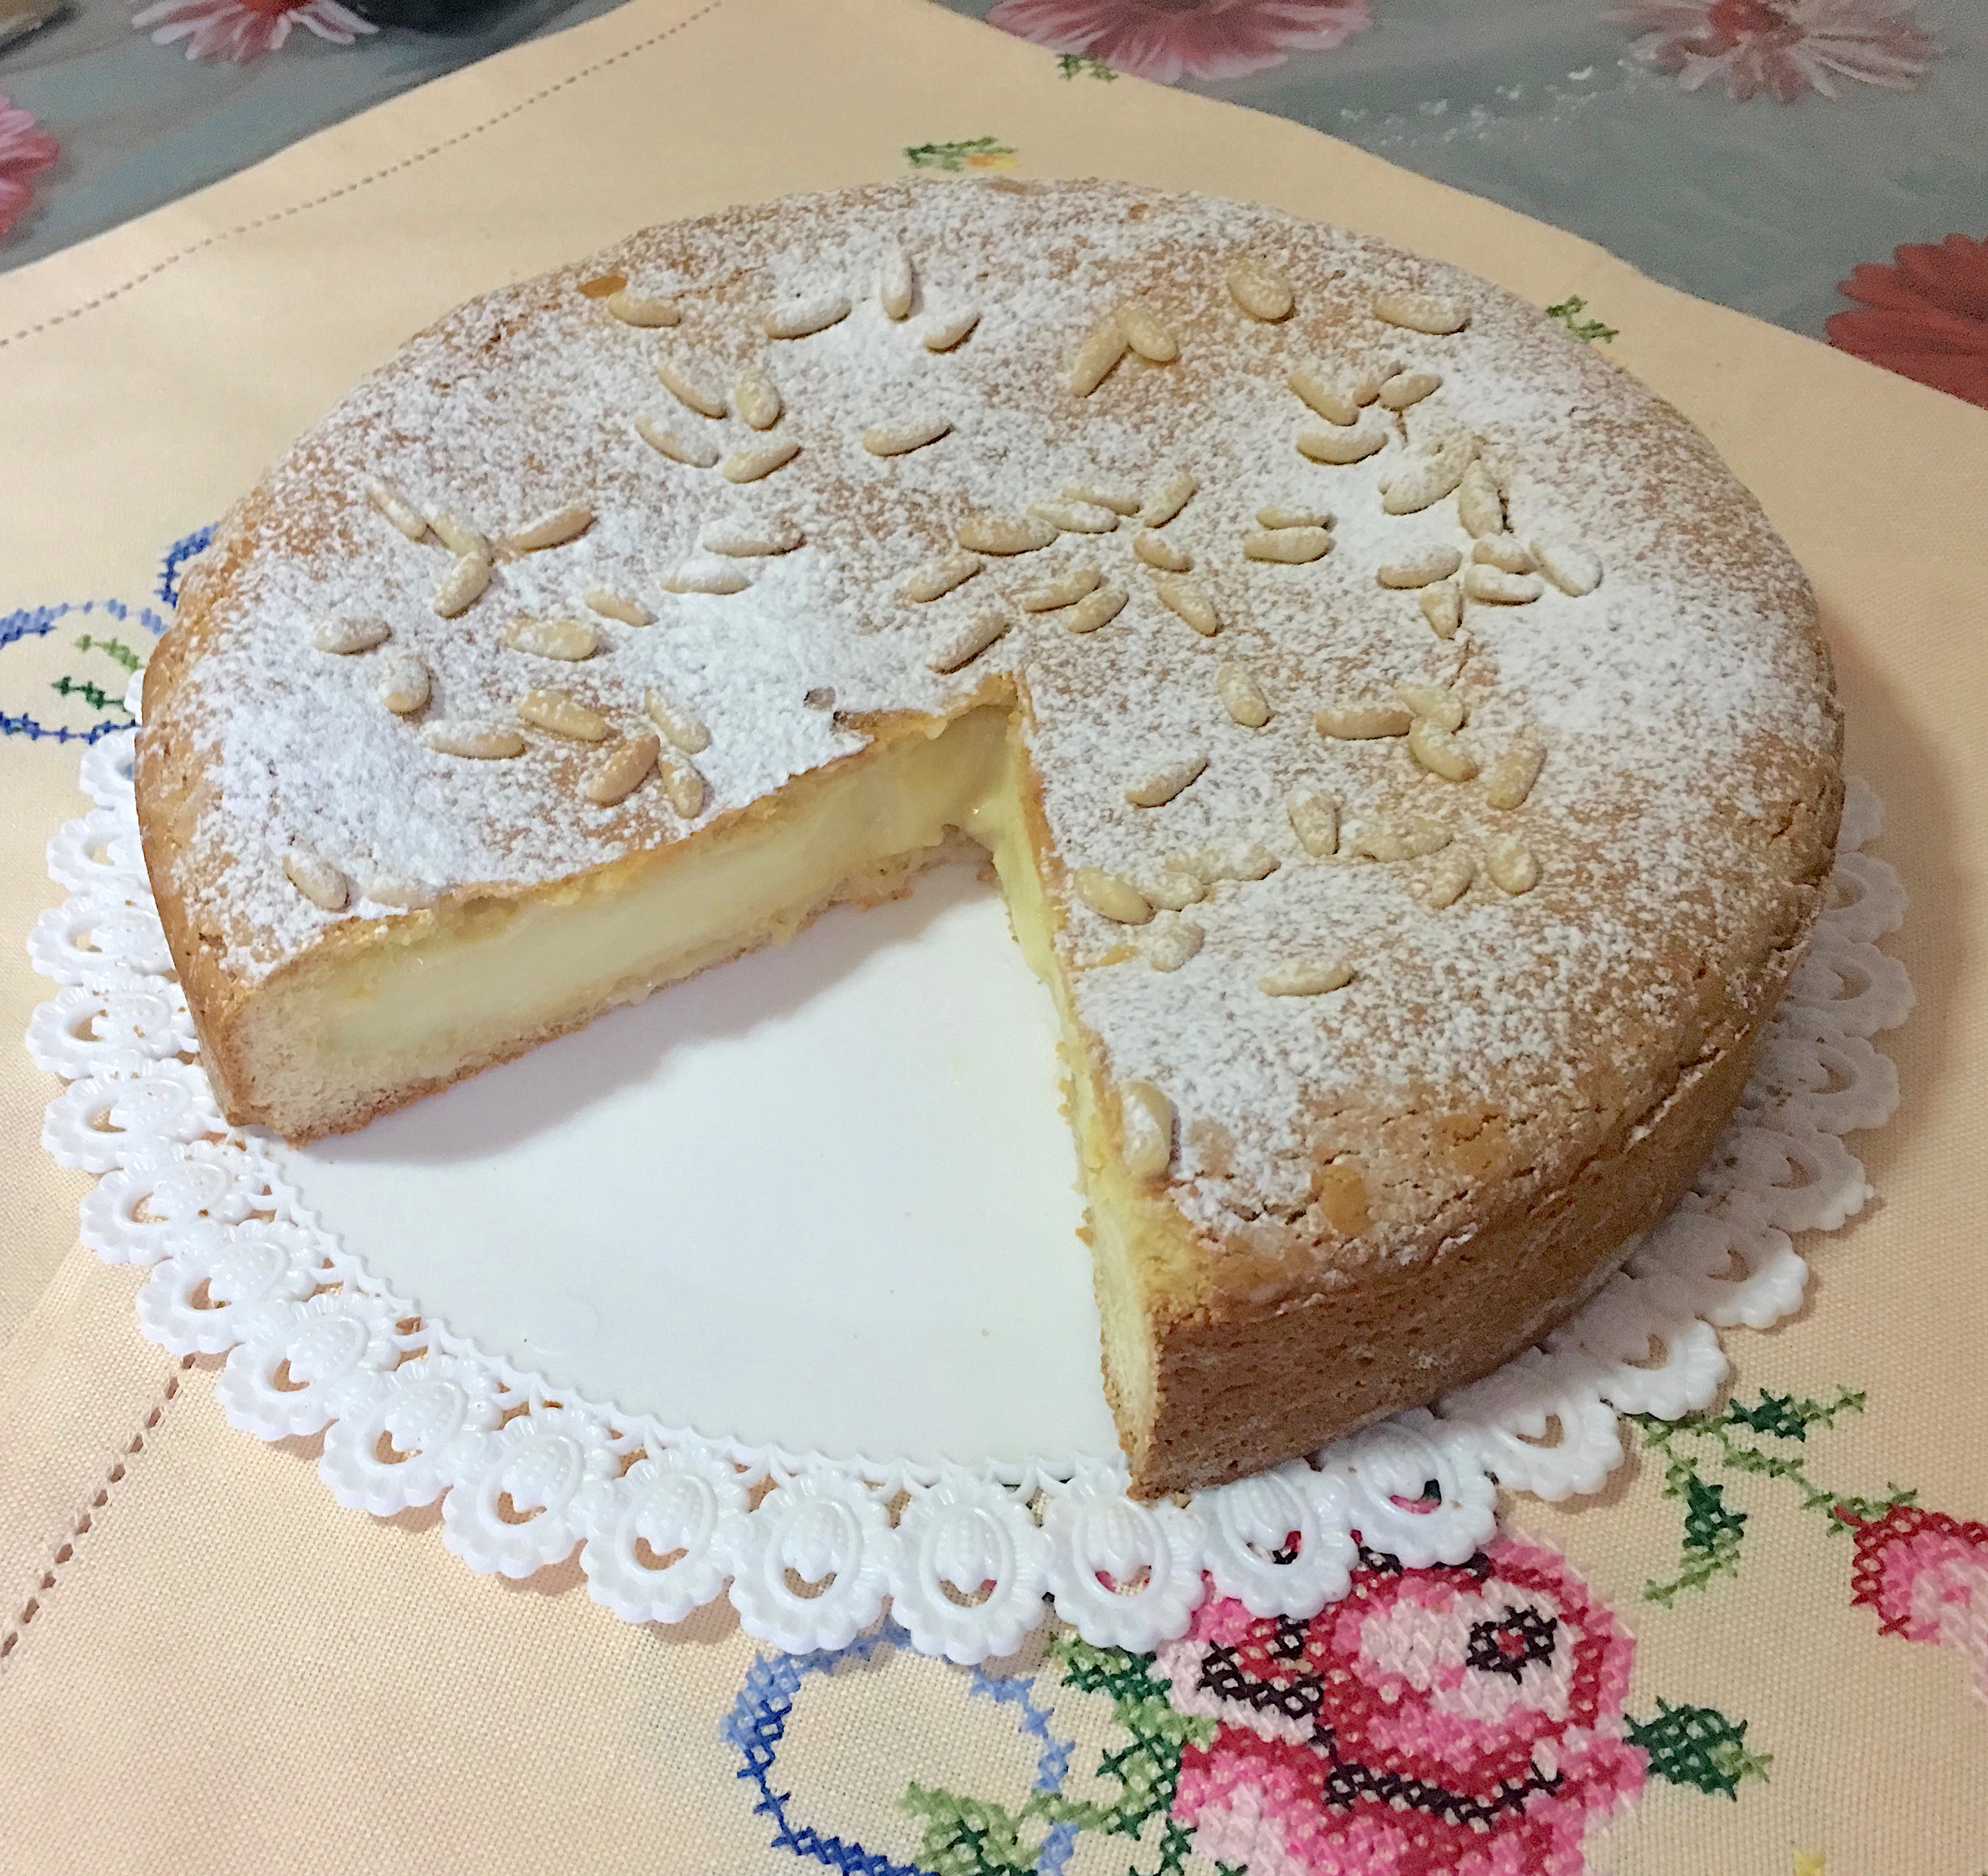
18	18
421	16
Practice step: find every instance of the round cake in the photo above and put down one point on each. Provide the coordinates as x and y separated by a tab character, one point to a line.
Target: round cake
1409	756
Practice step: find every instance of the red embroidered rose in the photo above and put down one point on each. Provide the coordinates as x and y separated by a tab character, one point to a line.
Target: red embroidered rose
1164	40
1925	317
1926	1575
1463	1722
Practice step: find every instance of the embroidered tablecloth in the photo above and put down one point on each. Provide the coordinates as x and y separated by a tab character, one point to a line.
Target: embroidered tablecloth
1764	1647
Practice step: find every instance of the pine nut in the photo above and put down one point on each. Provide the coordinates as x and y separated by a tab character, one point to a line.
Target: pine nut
459	537
1509	778
968	643
1002	534
676	720
756	398
697	453
1511	866
897	286
748	465
1306	977
937	578
1074	517
1111	897
1422	477
344	636
1353	721
563	715
1479	506
462	586
1425	313
555	529
484	742
1438	752
756	538
1241	695
1155	549
612	605
802	319
387	497
400	890
687	391
1449	878
317	878
1102	348
1165	500
602	284
1148	334
1117	500
902	439
1066	590
621	771
1575	570
1260	290
707	576
1382	840
1442	608
1444	707
1423	568
1094	610
1293	547
1157	789
1239	860
636	309
1146	1119
1314	819
1494	588
943	334
1324	394
569	639
1189	600
1175	890
1276	515
1340	447
1172	942
683	787
1407	388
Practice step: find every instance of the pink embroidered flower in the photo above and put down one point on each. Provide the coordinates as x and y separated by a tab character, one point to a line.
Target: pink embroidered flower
25	150
241	30
1926	1575
1924	316
1462	1722
1785	47
1166	40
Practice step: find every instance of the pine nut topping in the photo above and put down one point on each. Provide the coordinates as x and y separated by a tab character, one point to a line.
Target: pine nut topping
1495	588
937	578
897	285
688	391
612	605
1066	590
748	465
1277	516
462	585
1003	534
1505	552
676	720
1340	447
1509	778
1171	941
1511	866
1479	506
696	452
1241	695
1575	570
1354	722
1146	1119
1074	517
801	318
1120	502
1239	860
902	439
683	787
1189	598
1155	549
1444	707
1148	334
1423	568
317	878
1164	500
1314	819
1293	547
943	334
344	636
1102	348
967	644
1407	388
750	539
636	309
756	398
622	770
1438	752
1443	608
1449	878
568	639
401	889
459	537
1306	977
1384	840
484	742
710	577
387	497
1423	476
1157	789
1111	897
555	529
1260	290
1094	610
602	284
1421	312
1175	890
1323	394
563	715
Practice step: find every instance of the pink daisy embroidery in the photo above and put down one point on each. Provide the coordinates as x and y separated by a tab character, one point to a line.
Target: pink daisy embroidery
1166	40
1786	48
25	150
1464	1721
241	30
1926	1575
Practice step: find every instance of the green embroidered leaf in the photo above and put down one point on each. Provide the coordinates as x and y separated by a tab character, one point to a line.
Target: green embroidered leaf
1074	65
1698	1746
93	694
114	649
964	1837
975	153
1569	312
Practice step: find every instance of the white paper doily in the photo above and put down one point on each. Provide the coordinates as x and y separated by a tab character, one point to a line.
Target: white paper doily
964	1546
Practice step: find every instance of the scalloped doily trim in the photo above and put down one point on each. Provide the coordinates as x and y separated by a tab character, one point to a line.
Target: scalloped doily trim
812	1548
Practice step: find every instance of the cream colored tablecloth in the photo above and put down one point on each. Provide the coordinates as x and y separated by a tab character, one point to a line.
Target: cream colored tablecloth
208	1666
